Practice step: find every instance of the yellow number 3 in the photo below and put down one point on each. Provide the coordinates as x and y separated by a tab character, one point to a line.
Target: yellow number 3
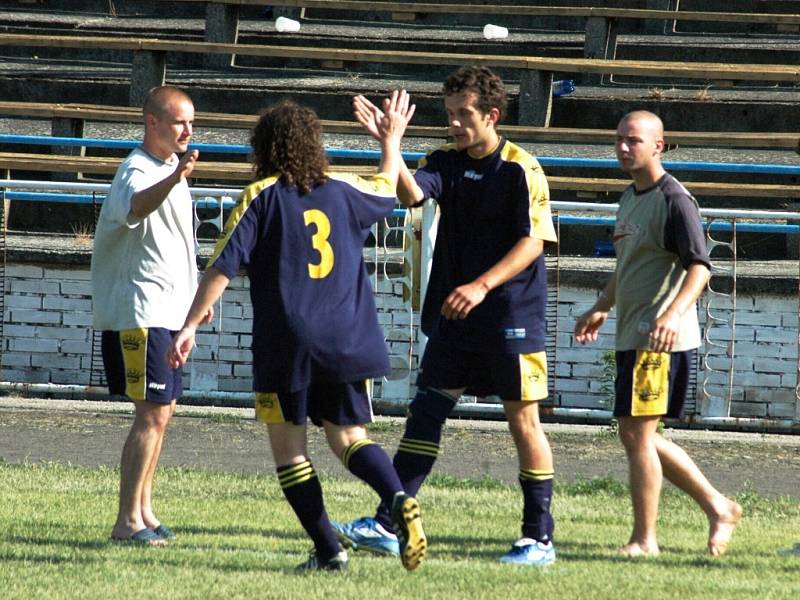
319	241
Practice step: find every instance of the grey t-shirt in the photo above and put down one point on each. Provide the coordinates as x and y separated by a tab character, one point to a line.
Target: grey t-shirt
658	235
144	272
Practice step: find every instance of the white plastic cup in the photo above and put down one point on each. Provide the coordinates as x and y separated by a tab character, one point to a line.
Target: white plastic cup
494	32
286	25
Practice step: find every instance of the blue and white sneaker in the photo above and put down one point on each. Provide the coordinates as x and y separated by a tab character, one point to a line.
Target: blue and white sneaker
368	534
527	551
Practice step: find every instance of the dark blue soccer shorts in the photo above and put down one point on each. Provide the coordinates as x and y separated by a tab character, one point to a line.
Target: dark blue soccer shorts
135	362
338	403
508	376
652	383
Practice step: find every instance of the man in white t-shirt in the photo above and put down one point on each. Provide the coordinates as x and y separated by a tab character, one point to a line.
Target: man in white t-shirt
144	277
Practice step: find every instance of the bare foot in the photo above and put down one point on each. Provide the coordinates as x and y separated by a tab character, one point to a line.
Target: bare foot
636	550
720	528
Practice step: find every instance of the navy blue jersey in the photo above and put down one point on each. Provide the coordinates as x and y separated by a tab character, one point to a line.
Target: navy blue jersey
314	316
487	205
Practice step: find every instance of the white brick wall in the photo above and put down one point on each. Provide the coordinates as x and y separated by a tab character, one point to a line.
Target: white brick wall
48	339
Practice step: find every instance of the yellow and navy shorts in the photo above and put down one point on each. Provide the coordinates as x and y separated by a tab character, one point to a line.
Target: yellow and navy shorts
337	403
651	384
509	376
135	362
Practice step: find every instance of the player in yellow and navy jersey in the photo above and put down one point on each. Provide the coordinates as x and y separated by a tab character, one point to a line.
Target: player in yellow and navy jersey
662	269
299	231
484	310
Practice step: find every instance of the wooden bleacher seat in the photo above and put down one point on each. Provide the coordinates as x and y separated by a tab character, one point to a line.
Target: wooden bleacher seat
149	62
242	172
715	139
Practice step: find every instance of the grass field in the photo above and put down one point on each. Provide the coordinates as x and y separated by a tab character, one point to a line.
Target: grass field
239	539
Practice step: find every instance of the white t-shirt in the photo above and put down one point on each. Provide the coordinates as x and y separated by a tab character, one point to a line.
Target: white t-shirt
144	272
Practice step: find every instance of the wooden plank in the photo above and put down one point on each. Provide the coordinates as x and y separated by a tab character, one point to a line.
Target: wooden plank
217	170
713	71
650	68
571	135
753	190
517	10
239	171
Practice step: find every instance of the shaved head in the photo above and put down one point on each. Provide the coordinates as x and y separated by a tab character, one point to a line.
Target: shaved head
640	141
650	122
159	99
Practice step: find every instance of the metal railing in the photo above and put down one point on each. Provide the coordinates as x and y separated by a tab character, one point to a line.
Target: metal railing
395	241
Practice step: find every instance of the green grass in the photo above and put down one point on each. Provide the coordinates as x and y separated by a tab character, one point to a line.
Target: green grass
239	539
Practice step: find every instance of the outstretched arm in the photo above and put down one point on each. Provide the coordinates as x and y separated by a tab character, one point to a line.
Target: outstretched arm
146	201
210	289
370	117
391	125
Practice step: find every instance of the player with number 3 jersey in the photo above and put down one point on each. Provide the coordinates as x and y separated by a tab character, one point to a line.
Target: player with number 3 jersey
299	231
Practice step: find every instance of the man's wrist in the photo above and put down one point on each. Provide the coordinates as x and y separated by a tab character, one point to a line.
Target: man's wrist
603	302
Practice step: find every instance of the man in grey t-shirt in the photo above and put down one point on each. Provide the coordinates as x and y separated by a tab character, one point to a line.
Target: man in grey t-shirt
662	268
144	276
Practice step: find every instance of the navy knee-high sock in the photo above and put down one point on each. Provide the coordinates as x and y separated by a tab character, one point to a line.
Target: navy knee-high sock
301	488
537	494
369	462
419	447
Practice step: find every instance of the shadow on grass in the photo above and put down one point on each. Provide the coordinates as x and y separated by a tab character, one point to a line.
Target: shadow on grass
230	530
68	543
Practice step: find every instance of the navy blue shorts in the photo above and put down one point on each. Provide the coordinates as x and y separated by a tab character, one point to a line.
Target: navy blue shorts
135	362
338	403
508	376
652	383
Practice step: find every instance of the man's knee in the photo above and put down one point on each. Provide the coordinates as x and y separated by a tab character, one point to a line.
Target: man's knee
635	433
523	419
154	416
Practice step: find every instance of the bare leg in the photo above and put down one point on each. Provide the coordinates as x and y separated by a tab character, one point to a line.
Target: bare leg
148	516
533	449
341	437
723	513
137	455
644	467
288	442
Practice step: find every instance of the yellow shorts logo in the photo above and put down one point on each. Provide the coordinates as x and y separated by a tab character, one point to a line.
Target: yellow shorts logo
134	355
650	394
533	376
268	408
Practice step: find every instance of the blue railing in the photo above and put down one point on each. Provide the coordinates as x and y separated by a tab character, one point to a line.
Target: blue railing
400	212
546	161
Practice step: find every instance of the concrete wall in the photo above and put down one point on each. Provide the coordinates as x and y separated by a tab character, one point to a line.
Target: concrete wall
48	339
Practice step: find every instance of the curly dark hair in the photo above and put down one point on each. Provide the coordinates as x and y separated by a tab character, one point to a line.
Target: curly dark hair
287	143
481	81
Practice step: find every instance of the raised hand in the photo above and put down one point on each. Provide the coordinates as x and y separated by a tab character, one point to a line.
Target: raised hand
368	115
186	164
397	112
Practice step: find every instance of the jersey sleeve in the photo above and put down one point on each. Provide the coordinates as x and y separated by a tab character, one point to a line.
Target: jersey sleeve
535	220
240	234
683	231
372	198
131	181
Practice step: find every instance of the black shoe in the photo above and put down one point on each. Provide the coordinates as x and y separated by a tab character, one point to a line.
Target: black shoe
336	563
